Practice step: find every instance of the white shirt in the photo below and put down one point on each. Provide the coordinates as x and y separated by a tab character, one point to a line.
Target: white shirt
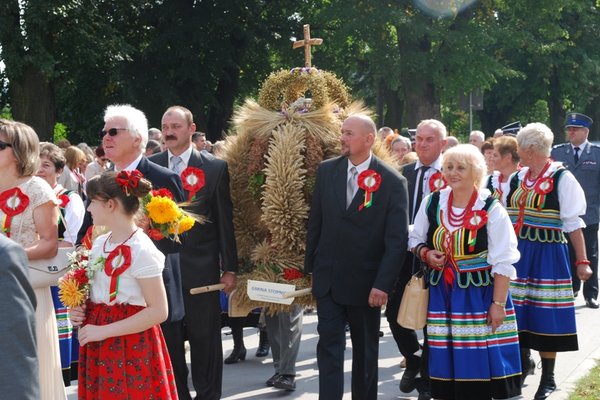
74	213
502	241
185	157
362	167
146	262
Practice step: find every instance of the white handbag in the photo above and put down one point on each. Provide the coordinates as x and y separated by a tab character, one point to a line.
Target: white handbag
46	272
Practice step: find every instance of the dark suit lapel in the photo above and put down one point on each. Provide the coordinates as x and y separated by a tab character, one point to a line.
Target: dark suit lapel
143	166
339	181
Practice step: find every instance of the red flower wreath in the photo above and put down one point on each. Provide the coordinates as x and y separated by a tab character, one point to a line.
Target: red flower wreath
474	221
64	200
163	193
193	180
12	202
437	182
369	181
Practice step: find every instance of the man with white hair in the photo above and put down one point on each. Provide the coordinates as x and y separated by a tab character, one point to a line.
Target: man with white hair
124	138
476	138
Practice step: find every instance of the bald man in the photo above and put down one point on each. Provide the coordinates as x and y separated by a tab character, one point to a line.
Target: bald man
354	253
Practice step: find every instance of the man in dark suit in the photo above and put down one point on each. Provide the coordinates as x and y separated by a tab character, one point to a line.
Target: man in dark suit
208	249
124	138
582	158
19	377
354	252
421	176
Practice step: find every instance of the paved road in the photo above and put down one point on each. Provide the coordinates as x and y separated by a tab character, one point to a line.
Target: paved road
245	380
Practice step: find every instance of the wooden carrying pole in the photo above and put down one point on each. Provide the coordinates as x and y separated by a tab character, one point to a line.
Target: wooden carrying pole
297	293
207	288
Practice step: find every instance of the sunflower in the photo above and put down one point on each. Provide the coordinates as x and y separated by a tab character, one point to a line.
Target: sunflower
70	293
163	210
186	223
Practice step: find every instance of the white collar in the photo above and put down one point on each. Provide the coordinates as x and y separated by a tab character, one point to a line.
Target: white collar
185	156
437	164
133	165
363	166
582	146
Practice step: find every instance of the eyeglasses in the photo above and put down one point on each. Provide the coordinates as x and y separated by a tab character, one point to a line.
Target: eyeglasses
4	145
112	131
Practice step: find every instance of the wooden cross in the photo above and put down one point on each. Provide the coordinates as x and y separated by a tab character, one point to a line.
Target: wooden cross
307	42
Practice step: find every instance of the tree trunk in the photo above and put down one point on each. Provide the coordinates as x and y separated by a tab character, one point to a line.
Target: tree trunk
593	111
555	107
420	102
33	102
394	109
380	106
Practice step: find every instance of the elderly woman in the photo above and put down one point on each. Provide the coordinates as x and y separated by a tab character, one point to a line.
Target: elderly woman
28	209
545	200
465	237
72	212
401	146
505	158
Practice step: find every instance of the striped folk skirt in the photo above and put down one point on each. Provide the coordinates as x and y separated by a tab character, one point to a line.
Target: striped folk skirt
467	360
543	297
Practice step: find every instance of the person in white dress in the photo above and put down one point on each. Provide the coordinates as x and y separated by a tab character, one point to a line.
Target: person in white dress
29	216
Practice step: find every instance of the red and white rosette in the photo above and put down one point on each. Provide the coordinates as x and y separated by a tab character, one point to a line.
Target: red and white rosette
116	263
193	180
12	202
369	181
542	187
474	221
437	182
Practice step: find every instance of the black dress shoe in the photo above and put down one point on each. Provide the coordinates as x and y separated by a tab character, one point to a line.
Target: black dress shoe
592	303
271	381
285	382
238	354
424	396
407	383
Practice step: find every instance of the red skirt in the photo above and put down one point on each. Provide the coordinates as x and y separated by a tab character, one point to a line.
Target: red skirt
135	366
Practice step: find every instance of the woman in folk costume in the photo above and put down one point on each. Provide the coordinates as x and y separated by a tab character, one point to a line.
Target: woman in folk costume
545	200
123	353
72	210
465	236
29	216
505	159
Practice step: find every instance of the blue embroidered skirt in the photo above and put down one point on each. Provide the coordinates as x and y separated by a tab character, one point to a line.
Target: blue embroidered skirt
543	297
467	360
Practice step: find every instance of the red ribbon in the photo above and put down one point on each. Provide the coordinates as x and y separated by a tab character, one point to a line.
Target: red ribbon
87	238
12	202
129	179
122	254
369	181
542	187
474	221
193	180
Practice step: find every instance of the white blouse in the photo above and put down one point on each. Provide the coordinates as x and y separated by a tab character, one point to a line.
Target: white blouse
74	214
502	241
146	262
571	198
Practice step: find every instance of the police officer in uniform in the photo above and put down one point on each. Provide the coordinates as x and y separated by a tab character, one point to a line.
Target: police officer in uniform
582	158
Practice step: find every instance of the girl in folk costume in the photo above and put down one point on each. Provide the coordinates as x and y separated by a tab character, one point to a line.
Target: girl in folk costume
545	200
505	159
465	236
72	210
123	353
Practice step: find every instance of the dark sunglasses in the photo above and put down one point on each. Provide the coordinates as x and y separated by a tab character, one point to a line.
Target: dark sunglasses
111	131
4	145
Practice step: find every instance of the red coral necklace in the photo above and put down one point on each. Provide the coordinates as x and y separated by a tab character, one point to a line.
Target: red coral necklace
457	219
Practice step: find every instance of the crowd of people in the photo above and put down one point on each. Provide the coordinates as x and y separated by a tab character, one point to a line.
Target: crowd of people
501	228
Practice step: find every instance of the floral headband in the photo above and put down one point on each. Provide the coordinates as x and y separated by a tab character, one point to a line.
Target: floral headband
129	180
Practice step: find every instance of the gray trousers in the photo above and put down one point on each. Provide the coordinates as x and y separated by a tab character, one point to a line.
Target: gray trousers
285	330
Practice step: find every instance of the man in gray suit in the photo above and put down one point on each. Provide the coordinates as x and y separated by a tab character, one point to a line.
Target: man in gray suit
18	364
582	158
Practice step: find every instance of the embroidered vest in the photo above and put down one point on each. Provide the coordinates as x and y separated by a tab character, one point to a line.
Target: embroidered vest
538	217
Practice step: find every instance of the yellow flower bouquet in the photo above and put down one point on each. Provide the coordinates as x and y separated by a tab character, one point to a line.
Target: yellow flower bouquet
167	219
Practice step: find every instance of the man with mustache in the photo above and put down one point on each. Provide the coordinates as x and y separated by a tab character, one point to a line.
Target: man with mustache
208	249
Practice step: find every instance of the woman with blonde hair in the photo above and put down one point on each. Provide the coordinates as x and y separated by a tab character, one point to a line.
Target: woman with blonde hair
72	177
465	239
29	215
